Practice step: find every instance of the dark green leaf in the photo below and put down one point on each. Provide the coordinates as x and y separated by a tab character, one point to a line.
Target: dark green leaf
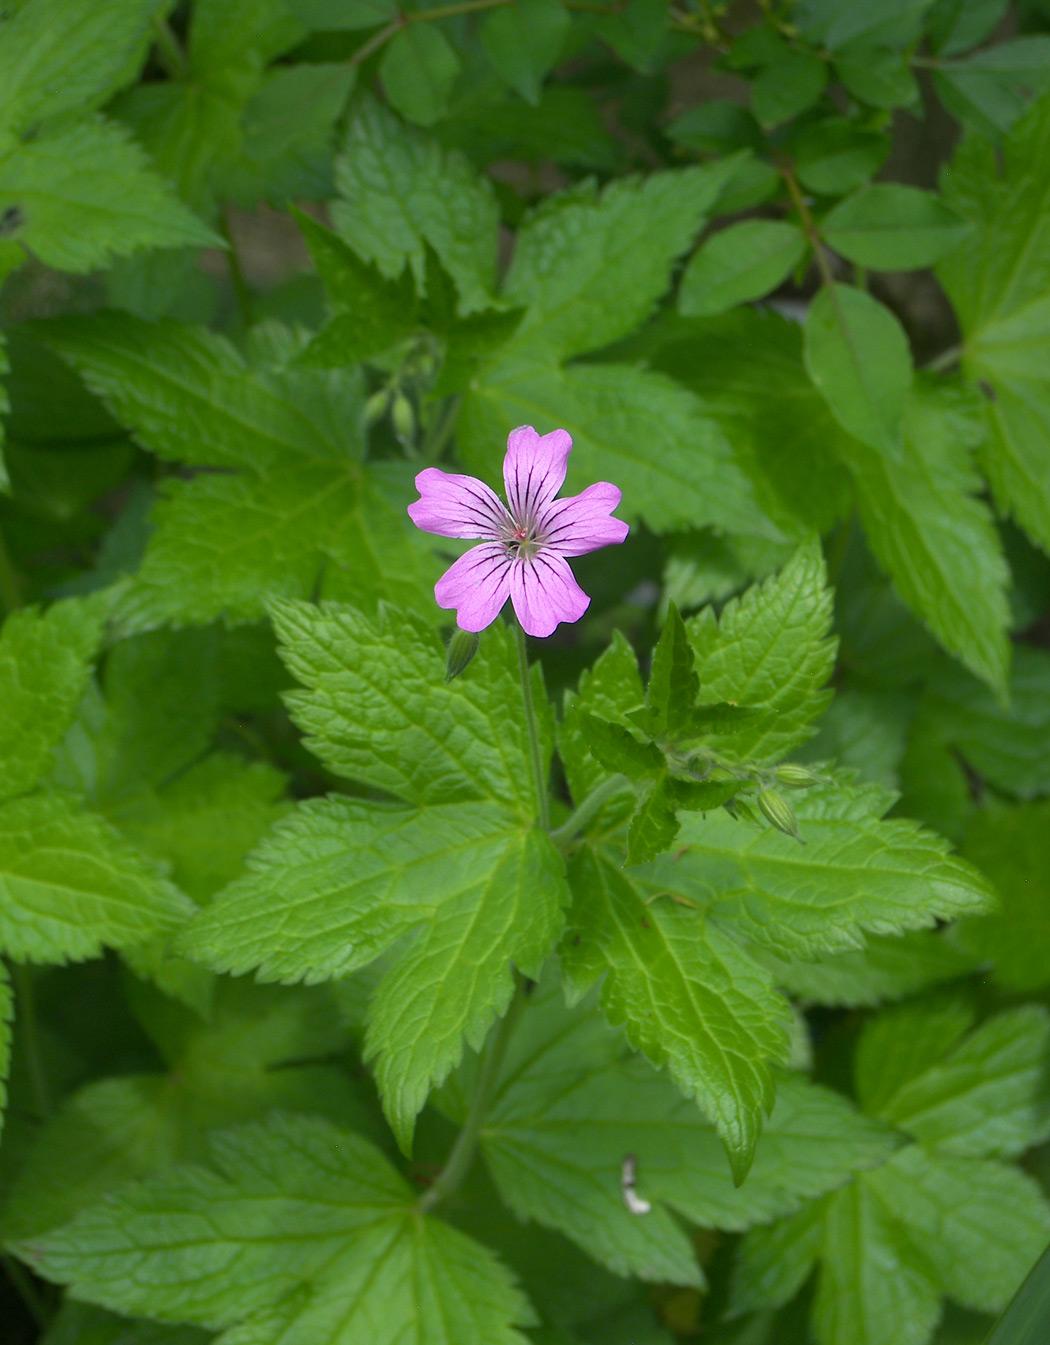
418	70
523	41
893	228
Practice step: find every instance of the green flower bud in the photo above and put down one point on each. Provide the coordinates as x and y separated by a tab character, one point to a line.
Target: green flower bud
776	809
461	649
794	776
403	417
376	405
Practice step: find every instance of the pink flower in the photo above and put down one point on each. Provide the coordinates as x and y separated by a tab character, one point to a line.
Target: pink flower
525	542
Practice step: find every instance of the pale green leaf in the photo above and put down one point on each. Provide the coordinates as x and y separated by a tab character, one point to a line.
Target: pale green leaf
67	55
379	711
589	267
570	1107
397	189
45	660
997	282
775	1260
893	228
636	428
88	194
235	35
934	536
319	1236
740	263
772	649
857	354
989	90
1009	845
689	996
69	885
418	69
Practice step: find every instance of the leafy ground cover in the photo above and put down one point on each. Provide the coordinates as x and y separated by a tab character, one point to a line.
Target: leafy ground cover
681	975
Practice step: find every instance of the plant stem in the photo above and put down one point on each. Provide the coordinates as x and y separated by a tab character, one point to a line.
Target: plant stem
450	1178
809	224
170	52
241	291
27	1292
589	809
27	1021
944	360
10	583
540	774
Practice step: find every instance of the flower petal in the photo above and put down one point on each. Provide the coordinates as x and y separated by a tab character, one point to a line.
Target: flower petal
581	523
477	585
456	506
534	469
545	592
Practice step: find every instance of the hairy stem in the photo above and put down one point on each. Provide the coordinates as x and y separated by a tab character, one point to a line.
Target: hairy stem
451	1176
542	797
589	809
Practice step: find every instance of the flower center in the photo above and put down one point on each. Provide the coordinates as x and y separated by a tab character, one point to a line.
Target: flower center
521	539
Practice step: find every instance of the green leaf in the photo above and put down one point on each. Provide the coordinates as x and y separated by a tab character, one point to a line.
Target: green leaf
879	76
987	1096
82	1324
834	23
888	967
904	1042
1008	844
747	368
523	42
655	822
45	660
370	313
88	194
931	532
1004	744
349	14
418	70
836	155
771	649
991	90
740	263
589	268
639	429
569	1106
421	739
319	1236
299	509
788	86
257	1052
857	355
809	900
997	287
618	749
7	1014
61	56
673	683
893	228
689	996
958	25
69	885
939	1218
397	188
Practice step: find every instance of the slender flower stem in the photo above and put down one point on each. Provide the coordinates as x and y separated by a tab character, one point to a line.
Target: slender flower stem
944	360
27	1021
450	1178
540	774
589	809
169	50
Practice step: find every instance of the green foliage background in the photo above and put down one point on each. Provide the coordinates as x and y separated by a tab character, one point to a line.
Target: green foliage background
314	1027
